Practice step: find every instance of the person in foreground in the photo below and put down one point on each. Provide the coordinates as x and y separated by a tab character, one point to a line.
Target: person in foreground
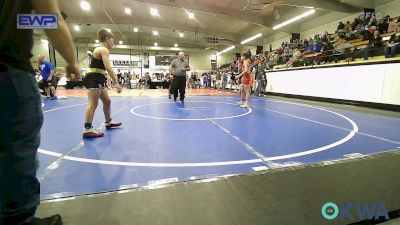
21	115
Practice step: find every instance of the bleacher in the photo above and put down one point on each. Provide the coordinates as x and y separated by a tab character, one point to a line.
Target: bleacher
358	46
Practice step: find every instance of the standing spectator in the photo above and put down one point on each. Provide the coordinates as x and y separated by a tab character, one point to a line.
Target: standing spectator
205	81
224	79
232	81
260	77
180	66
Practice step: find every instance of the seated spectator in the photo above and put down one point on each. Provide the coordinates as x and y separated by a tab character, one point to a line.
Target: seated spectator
309	48
375	44
341	28
373	22
393	46
382	26
273	60
392	27
297	56
318	46
355	23
287	54
385	25
347	27
343	50
326	53
326	37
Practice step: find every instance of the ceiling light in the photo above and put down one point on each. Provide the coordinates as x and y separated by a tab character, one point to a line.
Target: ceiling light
128	11
226	50
77	28
135	29
175	45
155	32
251	38
294	19
85	5
156	44
190	15
154	12
181	34
120	42
97	41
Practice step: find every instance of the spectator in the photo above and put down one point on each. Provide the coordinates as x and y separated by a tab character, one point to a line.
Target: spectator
355	23
288	53
385	25
341	28
392	27
326	53
224	79
375	43
373	22
382	26
343	49
297	56
232	80
347	27
260	77
273	60
393	46
309	48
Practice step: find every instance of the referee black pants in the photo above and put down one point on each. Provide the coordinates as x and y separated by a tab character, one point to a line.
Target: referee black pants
179	84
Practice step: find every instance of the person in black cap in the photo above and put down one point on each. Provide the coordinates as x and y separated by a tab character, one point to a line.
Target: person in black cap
21	114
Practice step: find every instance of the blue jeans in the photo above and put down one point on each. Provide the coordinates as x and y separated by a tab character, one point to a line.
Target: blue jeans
21	118
260	87
391	51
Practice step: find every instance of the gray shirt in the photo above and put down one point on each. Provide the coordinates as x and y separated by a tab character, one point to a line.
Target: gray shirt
177	66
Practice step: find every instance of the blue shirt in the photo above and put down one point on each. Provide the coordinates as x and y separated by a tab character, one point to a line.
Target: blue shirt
317	48
45	68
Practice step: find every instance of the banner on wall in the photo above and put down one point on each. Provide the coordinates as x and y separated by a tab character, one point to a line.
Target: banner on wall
126	63
165	60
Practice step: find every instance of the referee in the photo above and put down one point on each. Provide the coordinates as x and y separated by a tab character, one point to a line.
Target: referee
178	68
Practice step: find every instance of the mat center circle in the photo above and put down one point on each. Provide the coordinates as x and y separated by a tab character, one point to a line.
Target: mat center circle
190	111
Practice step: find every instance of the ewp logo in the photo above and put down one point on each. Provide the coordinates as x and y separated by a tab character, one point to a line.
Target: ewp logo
37	21
372	212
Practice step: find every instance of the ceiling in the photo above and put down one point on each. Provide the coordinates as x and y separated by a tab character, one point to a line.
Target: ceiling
223	19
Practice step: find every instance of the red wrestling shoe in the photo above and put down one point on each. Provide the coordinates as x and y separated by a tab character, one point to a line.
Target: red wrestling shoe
91	133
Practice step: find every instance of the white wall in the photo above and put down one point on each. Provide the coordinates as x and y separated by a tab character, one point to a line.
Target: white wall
276	40
370	83
226	58
331	27
39	48
391	8
200	60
